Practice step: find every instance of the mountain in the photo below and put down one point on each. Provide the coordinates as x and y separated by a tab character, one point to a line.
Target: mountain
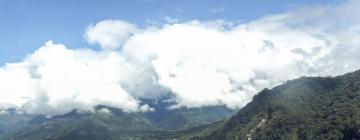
115	124
305	108
12	121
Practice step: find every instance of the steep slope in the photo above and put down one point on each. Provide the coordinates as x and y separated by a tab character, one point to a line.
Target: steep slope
306	108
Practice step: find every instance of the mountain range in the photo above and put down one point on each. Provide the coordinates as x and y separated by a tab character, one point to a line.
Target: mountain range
304	108
108	123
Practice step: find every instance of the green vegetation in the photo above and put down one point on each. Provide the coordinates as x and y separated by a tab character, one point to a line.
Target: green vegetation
306	108
118	125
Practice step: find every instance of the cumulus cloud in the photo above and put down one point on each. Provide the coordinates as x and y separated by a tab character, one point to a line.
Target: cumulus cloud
195	63
55	80
110	34
203	63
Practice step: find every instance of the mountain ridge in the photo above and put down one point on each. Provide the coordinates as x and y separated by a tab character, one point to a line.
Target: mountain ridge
115	124
304	108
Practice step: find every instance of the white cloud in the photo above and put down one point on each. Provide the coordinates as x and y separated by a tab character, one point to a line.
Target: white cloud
146	108
202	63
104	111
55	80
110	34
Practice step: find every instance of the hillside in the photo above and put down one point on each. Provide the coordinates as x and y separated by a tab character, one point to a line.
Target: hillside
305	108
116	125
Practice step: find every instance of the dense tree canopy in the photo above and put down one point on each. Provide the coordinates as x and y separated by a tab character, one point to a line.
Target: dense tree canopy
305	108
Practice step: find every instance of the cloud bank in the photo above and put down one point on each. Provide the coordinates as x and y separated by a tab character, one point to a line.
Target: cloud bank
195	63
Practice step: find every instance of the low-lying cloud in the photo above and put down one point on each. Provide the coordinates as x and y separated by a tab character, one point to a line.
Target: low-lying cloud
196	63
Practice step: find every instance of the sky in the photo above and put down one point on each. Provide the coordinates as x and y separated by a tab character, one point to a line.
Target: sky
58	56
26	24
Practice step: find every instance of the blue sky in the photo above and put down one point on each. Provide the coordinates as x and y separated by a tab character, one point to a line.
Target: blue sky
26	24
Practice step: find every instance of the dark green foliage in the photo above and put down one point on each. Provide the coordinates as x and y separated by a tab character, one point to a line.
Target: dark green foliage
306	108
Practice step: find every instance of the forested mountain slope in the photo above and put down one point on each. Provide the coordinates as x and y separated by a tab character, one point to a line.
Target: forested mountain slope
305	108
